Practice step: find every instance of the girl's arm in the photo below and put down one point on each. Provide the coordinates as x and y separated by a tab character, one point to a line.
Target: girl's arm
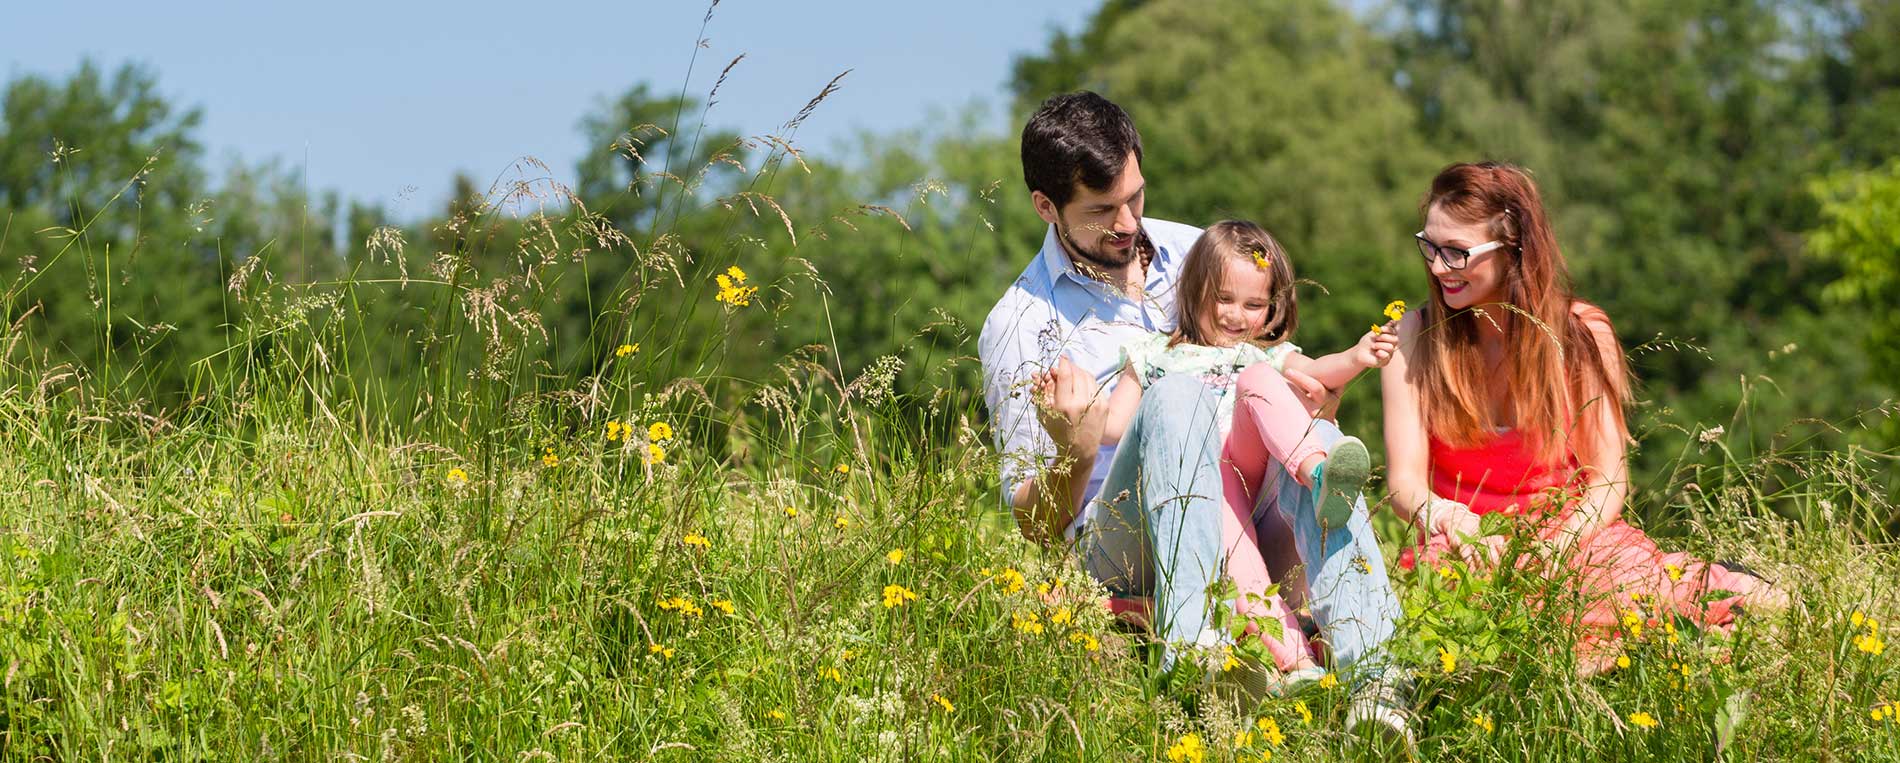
1121	406
1338	369
1605	461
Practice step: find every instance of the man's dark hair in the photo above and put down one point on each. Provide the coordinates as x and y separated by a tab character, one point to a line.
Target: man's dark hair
1077	137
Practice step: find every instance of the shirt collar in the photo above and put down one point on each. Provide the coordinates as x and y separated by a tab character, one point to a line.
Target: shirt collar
1056	259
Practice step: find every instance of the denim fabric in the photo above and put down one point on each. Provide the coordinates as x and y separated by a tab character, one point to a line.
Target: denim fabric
1154	526
1347	587
1154	529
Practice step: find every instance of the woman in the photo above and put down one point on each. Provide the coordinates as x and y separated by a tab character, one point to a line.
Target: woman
1507	397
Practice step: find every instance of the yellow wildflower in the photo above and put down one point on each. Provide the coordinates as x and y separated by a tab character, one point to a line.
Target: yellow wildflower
1395	309
659	431
1231	662
1306	714
943	703
548	459
831	674
1669	627
1328	681
1260	260
1871	644
1243	739
1447	661
655	454
1187	750
663	651
1026	622
1644	720
842	468
896	556
1633	622
776	714
897	595
1857	618
1012	580
1675	572
791	512
457	476
1063	616
616	431
681	605
696	540
732	288
841	521
625	350
1088	642
724	605
1622	660
1483	721
1270	728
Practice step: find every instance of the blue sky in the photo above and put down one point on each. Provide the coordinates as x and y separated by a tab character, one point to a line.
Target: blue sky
384	101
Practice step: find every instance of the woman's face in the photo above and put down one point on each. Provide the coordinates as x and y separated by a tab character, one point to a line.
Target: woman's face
1482	278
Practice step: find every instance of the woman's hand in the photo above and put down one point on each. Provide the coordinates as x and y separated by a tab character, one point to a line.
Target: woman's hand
1465	530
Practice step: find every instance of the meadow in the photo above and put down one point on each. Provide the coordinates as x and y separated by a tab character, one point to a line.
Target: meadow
653	559
689	462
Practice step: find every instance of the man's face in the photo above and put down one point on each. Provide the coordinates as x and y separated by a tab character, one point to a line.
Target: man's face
1099	227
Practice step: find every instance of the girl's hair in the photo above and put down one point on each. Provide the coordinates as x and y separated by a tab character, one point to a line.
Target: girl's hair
1246	244
1547	336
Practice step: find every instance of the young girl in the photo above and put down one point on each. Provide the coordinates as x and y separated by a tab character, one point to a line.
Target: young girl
1235	309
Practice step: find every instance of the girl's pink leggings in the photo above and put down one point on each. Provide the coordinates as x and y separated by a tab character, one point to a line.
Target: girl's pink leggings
1271	423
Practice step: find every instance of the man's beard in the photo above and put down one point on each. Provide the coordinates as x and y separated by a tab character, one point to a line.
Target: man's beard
1103	258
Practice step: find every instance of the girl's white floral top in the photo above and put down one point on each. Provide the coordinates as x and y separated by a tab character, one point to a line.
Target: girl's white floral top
1217	367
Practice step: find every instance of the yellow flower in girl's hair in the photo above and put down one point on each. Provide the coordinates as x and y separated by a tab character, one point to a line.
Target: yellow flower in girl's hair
1260	259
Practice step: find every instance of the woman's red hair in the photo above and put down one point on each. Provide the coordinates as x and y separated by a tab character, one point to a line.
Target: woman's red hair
1548	331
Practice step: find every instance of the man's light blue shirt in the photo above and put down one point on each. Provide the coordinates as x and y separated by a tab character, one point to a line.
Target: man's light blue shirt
1051	311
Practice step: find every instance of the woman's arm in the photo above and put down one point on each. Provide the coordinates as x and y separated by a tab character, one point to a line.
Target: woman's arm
1121	406
1406	455
1604	457
1408	463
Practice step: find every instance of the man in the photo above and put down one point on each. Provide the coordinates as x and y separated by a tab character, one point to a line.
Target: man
1145	519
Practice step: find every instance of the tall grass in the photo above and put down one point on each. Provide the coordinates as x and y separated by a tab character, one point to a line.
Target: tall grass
503	555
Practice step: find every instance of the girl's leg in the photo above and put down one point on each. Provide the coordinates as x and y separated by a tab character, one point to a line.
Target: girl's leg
1248	571
1270	419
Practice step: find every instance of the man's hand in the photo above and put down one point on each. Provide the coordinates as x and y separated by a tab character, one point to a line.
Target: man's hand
1071	408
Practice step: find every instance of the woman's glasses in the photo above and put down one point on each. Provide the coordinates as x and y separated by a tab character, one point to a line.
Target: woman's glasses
1452	256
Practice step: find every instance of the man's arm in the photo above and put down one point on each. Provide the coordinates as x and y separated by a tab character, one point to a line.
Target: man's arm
1042	482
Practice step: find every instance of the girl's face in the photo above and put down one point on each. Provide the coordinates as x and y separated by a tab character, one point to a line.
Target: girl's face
1239	312
1481	280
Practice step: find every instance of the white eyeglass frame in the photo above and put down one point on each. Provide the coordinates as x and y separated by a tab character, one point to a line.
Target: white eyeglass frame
1439	250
